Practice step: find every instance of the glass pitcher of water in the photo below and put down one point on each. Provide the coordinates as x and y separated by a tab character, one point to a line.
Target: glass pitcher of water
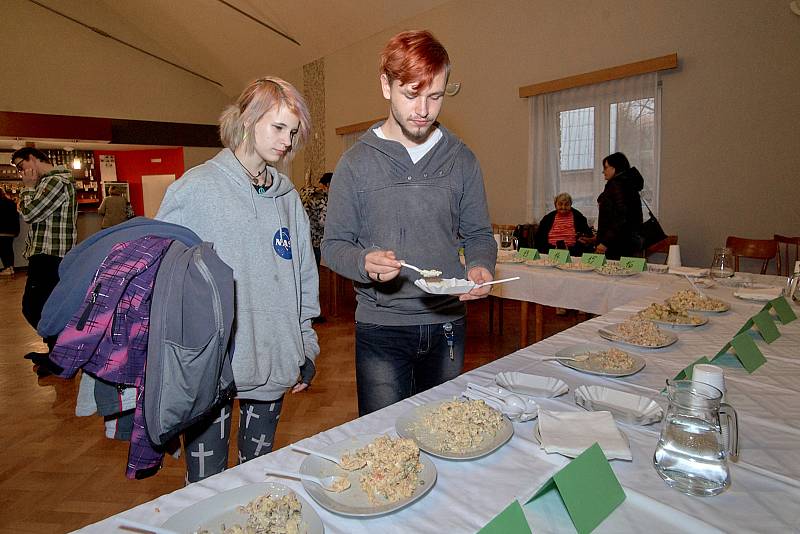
722	264
692	454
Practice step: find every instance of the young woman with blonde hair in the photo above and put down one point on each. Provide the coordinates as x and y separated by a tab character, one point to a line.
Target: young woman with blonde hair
253	215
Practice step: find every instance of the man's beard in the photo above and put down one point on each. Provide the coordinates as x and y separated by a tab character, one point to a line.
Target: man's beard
417	137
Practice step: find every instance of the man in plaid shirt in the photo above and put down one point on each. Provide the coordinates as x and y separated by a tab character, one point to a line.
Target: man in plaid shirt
48	203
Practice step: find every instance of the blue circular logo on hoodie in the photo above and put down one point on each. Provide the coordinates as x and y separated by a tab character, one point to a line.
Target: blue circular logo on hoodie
282	243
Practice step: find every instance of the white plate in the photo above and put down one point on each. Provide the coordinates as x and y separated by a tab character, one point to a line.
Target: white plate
757	294
626	272
538	435
578	267
510	260
725	307
541	263
224	508
446	286
625	407
586	366
353	501
656	268
533	385
408	426
703	320
604	333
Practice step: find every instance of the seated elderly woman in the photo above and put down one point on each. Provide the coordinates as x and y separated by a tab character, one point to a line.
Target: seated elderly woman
565	224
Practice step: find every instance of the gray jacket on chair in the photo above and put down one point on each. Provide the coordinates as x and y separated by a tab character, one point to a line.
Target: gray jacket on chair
424	212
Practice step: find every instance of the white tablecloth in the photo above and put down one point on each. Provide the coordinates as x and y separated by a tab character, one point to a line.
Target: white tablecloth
764	496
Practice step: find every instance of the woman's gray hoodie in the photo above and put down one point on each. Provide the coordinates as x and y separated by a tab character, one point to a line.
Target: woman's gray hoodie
265	239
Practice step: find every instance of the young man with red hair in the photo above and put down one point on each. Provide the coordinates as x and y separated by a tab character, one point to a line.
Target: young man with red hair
408	190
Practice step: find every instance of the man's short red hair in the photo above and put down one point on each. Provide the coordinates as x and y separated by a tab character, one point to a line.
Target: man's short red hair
414	56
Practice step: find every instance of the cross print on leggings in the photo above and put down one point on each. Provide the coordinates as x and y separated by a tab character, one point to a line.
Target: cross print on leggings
250	413
201	455
260	442
223	415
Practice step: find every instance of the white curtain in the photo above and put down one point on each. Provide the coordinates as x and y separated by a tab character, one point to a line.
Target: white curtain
571	131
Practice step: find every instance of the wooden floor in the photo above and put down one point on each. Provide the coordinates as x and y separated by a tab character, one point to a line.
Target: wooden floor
58	472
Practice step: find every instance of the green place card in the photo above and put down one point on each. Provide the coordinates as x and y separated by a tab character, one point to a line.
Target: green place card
558	255
636	265
509	521
747	352
785	312
595	260
588	487
766	326
686	373
528	253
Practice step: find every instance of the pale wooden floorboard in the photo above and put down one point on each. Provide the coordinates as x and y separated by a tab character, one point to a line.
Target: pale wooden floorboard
58	472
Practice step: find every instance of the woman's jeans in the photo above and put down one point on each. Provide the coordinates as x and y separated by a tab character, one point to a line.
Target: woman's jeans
396	362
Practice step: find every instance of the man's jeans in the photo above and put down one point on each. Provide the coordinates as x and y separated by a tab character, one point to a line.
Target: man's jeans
396	362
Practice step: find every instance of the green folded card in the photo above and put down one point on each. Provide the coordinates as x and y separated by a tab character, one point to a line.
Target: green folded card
766	326
782	309
636	265
745	350
595	260
558	255
686	373
588	488
528	253
509	521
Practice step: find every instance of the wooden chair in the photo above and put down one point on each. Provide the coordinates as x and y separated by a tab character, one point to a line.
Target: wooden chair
662	247
789	258
759	249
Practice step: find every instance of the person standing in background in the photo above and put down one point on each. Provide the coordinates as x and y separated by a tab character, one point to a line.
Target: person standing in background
619	209
9	229
48	203
113	209
315	202
408	189
253	216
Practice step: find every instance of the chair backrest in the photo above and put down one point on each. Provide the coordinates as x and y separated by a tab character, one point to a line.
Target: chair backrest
662	246
760	249
791	252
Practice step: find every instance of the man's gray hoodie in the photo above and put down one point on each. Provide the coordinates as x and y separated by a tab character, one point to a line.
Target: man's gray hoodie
265	239
424	212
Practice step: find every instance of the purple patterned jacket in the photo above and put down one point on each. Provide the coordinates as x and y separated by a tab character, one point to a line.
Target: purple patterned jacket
108	335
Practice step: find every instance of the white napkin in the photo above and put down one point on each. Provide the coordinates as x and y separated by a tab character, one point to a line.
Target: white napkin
688	271
766	293
571	433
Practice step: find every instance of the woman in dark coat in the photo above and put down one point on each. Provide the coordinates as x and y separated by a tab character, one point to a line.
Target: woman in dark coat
9	229
620	209
564	224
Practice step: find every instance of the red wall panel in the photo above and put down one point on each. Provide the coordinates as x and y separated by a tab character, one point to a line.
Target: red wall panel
132	164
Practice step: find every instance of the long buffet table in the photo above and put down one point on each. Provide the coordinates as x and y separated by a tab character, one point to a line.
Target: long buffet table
764	496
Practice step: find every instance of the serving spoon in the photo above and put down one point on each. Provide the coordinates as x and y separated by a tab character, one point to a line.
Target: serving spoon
332	483
352	465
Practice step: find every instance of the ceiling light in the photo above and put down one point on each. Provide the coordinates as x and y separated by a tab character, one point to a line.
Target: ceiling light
794	5
452	89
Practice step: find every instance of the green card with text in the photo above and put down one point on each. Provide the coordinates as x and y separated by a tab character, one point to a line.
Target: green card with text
785	312
746	326
509	521
636	265
528	253
747	352
766	326
588	488
595	260
558	255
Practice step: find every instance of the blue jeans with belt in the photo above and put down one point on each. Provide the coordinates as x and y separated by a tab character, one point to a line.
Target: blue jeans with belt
396	362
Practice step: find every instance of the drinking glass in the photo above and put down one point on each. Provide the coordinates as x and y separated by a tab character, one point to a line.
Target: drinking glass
506	239
722	264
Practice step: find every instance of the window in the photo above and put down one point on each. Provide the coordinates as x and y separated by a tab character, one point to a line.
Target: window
573	130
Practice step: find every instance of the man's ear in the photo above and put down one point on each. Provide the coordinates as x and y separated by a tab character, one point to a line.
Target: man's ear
386	86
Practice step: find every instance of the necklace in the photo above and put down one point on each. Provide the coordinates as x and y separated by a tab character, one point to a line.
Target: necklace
253	177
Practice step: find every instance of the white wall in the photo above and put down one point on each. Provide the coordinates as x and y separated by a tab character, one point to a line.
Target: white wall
730	151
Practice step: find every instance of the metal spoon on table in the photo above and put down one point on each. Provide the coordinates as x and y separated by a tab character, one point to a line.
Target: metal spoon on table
332	483
352	463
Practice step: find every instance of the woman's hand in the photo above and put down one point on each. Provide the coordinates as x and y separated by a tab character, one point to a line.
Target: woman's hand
601	249
300	386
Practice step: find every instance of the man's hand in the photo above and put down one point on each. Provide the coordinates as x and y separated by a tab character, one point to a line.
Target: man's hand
479	275
29	177
381	265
